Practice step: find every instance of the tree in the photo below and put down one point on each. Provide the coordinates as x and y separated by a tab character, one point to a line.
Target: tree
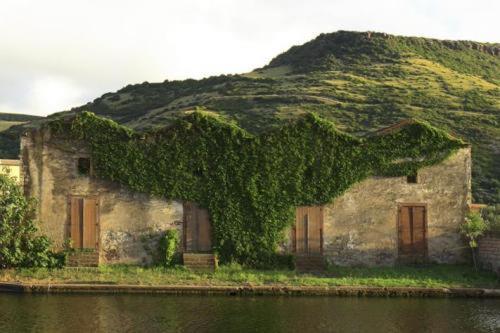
20	246
473	228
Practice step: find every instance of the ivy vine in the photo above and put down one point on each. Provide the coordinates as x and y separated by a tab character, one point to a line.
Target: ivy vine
251	184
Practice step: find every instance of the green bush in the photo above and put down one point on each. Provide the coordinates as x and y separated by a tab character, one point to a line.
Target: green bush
280	261
20	246
491	216
168	248
473	227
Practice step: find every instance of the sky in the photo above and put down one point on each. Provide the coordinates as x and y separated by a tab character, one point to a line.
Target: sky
57	54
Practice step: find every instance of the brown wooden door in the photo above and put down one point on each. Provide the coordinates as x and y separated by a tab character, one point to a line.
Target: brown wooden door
412	234
84	223
197	229
308	231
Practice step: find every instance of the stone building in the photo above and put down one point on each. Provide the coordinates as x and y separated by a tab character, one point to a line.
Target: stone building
383	221
12	168
378	222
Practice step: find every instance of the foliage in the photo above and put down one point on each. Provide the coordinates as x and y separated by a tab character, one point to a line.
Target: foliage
473	228
20	246
169	244
491	216
250	184
432	276
475	100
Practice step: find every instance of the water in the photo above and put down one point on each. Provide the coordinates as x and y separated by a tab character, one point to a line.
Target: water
165	313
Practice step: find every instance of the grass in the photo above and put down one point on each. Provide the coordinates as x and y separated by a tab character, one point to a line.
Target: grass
431	276
4	125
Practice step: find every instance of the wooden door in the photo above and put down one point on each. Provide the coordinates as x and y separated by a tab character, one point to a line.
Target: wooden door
84	223
197	229
412	230
308	231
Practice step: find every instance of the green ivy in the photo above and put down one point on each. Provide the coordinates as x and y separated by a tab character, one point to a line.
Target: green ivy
251	184
168	247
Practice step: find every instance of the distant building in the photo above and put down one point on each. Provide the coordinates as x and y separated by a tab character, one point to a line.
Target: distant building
380	221
11	168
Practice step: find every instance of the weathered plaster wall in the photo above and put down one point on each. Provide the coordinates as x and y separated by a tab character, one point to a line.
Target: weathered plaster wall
130	223
360	227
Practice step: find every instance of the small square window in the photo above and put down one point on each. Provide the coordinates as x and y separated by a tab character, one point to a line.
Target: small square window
412	179
83	166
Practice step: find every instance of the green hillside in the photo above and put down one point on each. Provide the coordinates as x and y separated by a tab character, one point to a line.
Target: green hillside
361	81
8	120
10	126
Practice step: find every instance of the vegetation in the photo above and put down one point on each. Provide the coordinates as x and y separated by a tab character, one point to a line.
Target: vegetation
20	246
360	81
352	48
491	215
10	127
5	125
168	247
14	117
428	276
250	184
473	228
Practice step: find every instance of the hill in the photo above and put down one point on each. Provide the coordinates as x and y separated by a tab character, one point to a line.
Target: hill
10	126
362	81
8	120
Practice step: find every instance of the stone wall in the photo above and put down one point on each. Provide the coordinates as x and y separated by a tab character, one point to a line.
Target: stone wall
489	253
130	223
83	259
360	227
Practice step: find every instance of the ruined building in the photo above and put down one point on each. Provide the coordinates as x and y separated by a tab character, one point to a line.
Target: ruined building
379	221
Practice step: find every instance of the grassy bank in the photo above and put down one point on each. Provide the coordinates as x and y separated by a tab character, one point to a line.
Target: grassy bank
428	276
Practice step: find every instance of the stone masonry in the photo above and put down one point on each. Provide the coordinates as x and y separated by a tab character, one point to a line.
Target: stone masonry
489	253
130	224
83	259
360	227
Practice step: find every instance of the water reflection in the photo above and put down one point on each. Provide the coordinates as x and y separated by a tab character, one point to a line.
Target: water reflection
147	313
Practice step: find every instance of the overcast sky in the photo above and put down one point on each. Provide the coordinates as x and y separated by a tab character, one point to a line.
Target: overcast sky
55	54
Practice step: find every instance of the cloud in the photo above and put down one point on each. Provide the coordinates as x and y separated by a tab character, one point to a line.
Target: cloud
43	95
88	47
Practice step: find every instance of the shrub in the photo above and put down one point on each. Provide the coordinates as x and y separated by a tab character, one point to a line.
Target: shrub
491	215
19	244
168	248
473	228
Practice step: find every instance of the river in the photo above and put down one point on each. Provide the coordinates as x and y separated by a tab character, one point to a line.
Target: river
166	313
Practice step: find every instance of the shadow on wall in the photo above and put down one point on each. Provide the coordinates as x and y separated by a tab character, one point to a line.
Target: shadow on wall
445	249
144	248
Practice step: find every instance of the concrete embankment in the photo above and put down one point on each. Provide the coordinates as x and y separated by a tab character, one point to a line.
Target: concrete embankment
250	290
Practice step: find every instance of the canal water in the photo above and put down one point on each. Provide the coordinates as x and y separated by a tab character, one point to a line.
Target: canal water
165	313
